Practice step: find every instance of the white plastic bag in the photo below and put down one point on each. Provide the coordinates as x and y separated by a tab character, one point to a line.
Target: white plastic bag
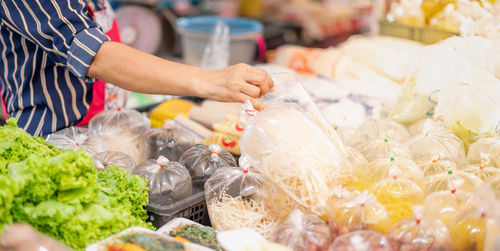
478	50
76	138
216	54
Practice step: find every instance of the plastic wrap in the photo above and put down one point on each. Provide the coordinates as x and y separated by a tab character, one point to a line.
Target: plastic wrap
361	241
379	169
485	147
121	130
383	128
76	138
104	160
472	109
438	141
385	149
443	181
169	141
202	161
302	231
468	229
338	194
425	125
216	54
168	181
236	198
444	205
356	158
421	233
483	170
361	212
435	165
398	195
350	136
294	153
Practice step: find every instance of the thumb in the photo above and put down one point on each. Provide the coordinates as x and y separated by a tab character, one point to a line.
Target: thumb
258	105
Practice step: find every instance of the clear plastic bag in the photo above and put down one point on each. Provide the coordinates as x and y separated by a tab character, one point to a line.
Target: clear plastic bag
484	170
104	160
350	136
339	194
76	138
121	130
361	241
379	169
216	54
383	128
435	165
236	199
362	212
444	205
169	141
485	147
385	149
421	233
302	231
398	195
168	181
202	161
439	141
425	125
468	229
443	181
472	109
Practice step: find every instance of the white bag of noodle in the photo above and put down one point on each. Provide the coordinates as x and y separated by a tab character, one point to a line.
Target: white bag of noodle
170	141
236	198
168	181
385	149
435	165
443	181
202	161
104	160
483	170
76	138
485	147
382	128
421	233
425	125
302	231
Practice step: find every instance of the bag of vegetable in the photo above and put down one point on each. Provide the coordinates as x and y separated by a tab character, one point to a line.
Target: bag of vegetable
202	161
170	141
446	180
168	181
76	138
103	160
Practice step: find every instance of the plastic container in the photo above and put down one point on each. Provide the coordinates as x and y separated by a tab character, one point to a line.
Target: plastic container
196	32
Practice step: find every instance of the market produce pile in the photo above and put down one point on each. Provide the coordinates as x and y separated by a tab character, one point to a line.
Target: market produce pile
61	194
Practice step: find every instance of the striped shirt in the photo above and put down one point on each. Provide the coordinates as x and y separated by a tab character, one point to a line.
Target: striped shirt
47	47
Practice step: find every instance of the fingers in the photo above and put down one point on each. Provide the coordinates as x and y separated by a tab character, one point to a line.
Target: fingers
257	105
250	90
259	78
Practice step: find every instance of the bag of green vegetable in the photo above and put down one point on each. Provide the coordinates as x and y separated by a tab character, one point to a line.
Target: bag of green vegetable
202	161
435	68
168	181
202	235
472	108
103	160
76	138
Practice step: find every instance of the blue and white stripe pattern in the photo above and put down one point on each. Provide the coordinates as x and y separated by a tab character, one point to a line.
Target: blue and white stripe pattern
47	47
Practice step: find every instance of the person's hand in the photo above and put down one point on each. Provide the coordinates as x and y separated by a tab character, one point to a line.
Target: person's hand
237	83
22	237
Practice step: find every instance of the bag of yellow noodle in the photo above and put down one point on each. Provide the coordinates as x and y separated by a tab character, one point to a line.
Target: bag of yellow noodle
435	165
379	169
362	212
421	233
443	181
398	195
385	149
468	229
489	147
445	204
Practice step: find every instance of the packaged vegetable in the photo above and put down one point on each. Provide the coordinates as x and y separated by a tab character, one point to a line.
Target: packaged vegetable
302	232
202	235
445	180
379	169
468	229
227	142
275	139
140	240
407	12
425	125
76	138
361	241
444	205
202	161
170	141
437	141
385	149
168	181
435	165
435	68
472	109
103	160
485	147
361	212
121	130
236	199
383	128
398	195
421	233
483	170
339	194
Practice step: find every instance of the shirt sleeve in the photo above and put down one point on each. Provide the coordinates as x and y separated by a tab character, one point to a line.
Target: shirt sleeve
62	28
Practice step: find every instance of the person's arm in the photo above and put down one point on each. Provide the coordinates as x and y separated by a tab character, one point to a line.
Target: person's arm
137	71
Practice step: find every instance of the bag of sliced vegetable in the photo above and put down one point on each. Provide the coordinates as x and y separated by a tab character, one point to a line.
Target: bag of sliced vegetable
104	160
202	161
76	138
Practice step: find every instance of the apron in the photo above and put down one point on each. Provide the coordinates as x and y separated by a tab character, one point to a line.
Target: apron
106	19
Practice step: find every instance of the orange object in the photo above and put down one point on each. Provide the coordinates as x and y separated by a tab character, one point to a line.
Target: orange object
132	247
182	239
113	248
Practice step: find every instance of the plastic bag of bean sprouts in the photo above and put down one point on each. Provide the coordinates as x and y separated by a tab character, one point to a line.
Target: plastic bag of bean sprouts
170	141
104	160
202	161
76	138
